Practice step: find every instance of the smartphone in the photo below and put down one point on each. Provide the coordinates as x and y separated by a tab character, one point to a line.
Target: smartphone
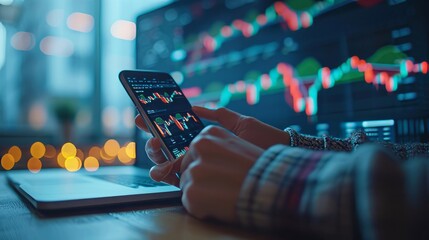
164	108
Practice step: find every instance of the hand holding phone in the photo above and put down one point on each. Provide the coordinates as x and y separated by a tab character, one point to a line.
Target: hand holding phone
164	108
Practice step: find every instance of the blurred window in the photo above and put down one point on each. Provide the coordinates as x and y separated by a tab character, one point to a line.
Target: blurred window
59	62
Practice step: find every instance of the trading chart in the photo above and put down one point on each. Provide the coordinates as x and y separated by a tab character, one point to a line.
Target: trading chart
322	67
168	110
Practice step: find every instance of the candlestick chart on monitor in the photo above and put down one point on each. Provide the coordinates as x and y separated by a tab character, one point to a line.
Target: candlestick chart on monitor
323	67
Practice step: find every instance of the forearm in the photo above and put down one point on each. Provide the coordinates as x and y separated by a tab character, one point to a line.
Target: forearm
334	195
283	191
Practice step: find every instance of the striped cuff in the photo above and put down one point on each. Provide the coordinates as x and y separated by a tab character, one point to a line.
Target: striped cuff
305	141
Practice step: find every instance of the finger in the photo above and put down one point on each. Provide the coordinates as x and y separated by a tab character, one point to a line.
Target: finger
225	117
156	175
187	159
140	123
208	141
166	172
204	192
214	142
172	179
154	152
215	131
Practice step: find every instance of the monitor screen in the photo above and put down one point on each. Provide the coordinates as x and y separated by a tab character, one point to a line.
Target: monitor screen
320	66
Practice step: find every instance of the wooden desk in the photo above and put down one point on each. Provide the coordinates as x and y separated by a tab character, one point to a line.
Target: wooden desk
19	220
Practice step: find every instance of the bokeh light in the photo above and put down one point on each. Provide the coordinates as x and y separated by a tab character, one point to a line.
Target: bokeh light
37	150
131	150
61	160
106	158
124	30
91	164
23	41
178	77
68	150
72	158
16	153
7	161
51	152
80	22
55	17
80	154
123	157
94	151
73	164
34	165
37	116
111	147
57	46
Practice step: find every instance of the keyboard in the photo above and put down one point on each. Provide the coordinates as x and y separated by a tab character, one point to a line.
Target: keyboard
131	181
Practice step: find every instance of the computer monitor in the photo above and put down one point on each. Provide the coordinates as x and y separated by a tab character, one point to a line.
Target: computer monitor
322	67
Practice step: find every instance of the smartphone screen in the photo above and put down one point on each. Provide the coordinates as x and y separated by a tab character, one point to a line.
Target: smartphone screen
165	109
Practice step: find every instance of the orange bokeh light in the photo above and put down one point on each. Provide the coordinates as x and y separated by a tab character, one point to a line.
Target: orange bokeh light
34	165
7	161
61	160
51	152
15	151
80	154
106	158
111	147
123	157
94	152
37	150
91	164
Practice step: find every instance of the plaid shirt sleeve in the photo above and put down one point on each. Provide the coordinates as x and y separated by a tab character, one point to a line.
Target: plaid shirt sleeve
363	194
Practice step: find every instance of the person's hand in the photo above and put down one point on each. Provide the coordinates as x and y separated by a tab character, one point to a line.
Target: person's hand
164	170
245	127
213	171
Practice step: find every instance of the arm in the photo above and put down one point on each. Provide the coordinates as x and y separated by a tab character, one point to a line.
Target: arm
364	194
299	191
